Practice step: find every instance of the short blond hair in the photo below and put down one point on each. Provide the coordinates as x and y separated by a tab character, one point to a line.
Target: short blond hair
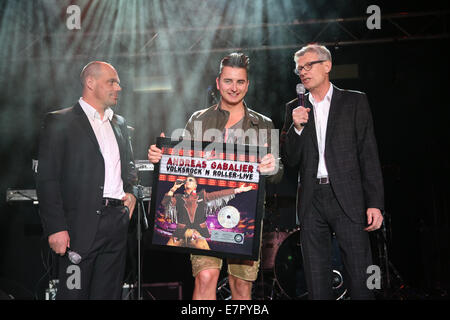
322	52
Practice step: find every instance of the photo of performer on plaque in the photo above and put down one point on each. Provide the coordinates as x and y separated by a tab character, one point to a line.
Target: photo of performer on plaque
207	199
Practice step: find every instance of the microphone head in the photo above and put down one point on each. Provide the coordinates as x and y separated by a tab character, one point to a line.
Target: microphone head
74	257
179	181
300	89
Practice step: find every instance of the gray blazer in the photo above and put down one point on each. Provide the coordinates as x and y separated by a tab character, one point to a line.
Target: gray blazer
351	154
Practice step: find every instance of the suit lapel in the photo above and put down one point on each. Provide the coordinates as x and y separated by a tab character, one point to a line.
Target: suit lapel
311	122
119	135
332	115
85	124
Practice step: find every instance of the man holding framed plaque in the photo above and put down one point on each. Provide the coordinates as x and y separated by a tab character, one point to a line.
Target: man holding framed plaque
230	121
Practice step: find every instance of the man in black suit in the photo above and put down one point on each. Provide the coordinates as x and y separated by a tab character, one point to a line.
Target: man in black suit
85	187
331	139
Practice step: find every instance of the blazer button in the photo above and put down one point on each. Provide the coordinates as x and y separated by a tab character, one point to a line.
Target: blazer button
101	187
98	212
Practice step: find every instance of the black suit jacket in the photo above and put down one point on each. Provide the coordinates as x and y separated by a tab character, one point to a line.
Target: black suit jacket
351	154
71	174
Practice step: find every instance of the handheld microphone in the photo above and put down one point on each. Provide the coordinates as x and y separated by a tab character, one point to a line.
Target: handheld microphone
180	182
300	88
74	257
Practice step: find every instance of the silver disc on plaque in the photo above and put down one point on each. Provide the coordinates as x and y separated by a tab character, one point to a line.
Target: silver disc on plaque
228	217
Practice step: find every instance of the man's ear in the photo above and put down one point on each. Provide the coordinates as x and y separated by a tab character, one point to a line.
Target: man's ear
90	82
327	65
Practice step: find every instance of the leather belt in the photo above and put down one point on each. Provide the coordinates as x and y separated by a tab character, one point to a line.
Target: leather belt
110	202
323	180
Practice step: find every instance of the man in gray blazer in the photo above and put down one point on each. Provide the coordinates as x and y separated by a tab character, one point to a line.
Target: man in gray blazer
331	139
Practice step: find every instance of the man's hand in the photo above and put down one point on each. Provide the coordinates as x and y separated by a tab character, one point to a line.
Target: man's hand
300	117
177	185
242	188
59	242
268	164
374	219
154	153
129	201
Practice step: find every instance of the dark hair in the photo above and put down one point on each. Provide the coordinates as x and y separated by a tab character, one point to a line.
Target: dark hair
190	175
235	60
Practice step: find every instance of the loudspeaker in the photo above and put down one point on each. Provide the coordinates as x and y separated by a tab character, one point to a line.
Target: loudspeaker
5	296
21	246
162	291
12	290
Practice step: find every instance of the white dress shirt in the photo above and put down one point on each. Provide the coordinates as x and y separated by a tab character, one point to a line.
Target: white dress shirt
321	110
113	186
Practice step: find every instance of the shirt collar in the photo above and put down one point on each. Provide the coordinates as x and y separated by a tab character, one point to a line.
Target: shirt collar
254	119
219	105
327	97
92	113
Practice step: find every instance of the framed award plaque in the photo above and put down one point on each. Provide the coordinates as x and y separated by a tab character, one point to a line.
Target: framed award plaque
207	198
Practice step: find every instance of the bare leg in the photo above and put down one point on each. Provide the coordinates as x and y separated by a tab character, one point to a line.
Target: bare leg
240	289
206	284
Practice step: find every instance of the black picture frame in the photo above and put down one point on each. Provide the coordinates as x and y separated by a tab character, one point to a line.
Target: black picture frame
233	221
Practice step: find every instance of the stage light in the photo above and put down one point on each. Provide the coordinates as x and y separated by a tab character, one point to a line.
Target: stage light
167	53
